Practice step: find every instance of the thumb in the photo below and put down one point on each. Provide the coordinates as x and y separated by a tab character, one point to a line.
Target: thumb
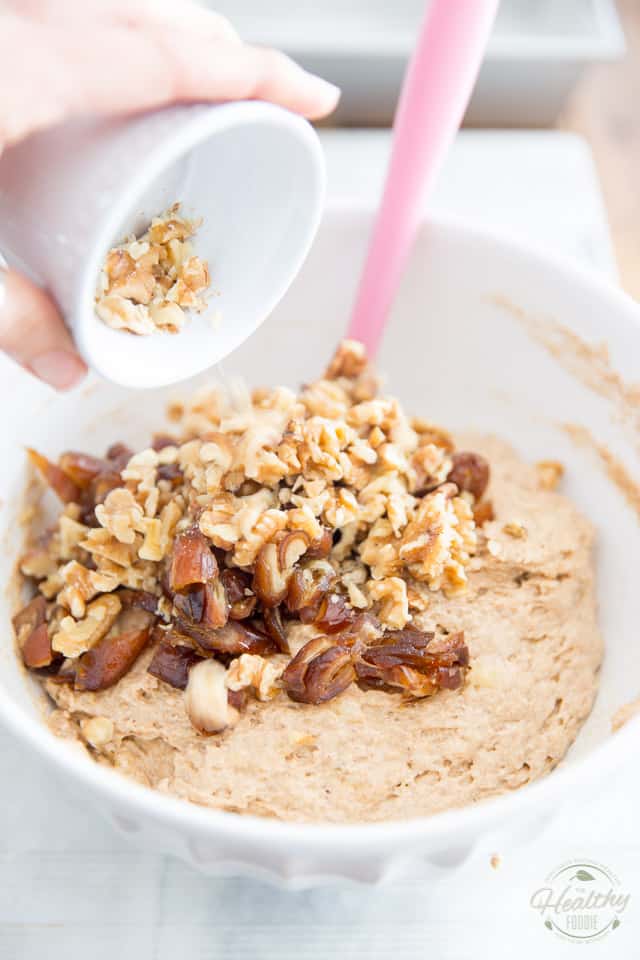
33	333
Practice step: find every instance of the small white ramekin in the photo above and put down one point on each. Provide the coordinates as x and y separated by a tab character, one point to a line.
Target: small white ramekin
455	354
253	171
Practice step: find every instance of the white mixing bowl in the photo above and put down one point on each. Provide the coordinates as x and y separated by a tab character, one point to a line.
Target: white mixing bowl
455	355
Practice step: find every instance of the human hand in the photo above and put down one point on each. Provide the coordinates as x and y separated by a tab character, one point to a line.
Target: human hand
59	60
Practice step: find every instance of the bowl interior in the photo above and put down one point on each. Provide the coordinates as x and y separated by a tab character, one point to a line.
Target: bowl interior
255	175
453	353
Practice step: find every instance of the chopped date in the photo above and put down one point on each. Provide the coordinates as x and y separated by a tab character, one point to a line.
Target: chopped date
319	672
190	602
162	440
96	492
36	649
171	664
275	565
119	455
321	548
240	597
111	657
82	468
274	626
192	560
398	677
170	472
405	647
57	479
308	587
32	634
29	617
413	661
138	598
216	608
202	603
233	639
483	513
334	614
237	698
470	472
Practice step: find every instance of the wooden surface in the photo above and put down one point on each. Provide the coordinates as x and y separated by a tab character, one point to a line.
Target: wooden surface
605	109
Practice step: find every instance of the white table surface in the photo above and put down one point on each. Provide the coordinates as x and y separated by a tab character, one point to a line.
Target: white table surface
72	889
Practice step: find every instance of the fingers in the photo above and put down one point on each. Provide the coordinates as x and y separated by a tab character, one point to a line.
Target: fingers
165	63
256	73
125	70
33	333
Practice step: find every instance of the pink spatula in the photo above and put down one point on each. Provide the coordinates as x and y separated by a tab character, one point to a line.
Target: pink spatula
435	92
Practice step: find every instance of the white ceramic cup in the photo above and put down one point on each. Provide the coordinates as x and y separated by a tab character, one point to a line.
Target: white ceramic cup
253	171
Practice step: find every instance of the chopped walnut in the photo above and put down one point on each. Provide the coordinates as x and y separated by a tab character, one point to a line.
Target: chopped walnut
147	284
250	670
97	731
75	636
80	585
273	542
514	529
550	473
120	514
394	602
206	699
349	360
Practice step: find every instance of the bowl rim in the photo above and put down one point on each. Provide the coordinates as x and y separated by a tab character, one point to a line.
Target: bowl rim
197	124
317	837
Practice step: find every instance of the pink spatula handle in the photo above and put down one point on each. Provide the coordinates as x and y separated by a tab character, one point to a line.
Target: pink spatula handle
435	92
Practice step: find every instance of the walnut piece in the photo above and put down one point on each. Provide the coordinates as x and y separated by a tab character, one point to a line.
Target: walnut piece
550	473
250	670
515	529
394	602
206	700
74	637
147	284
97	731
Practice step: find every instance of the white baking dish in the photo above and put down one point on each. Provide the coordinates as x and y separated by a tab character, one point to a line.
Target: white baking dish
455	355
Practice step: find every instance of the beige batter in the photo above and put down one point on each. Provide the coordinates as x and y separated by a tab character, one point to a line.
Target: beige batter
530	624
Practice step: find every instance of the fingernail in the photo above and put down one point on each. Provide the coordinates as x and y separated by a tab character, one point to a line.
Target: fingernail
59	368
329	90
321	88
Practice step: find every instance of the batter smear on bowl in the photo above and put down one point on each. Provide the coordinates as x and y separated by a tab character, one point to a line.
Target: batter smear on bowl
314	607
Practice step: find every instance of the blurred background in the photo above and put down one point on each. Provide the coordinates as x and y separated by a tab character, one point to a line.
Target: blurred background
569	65
536	54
